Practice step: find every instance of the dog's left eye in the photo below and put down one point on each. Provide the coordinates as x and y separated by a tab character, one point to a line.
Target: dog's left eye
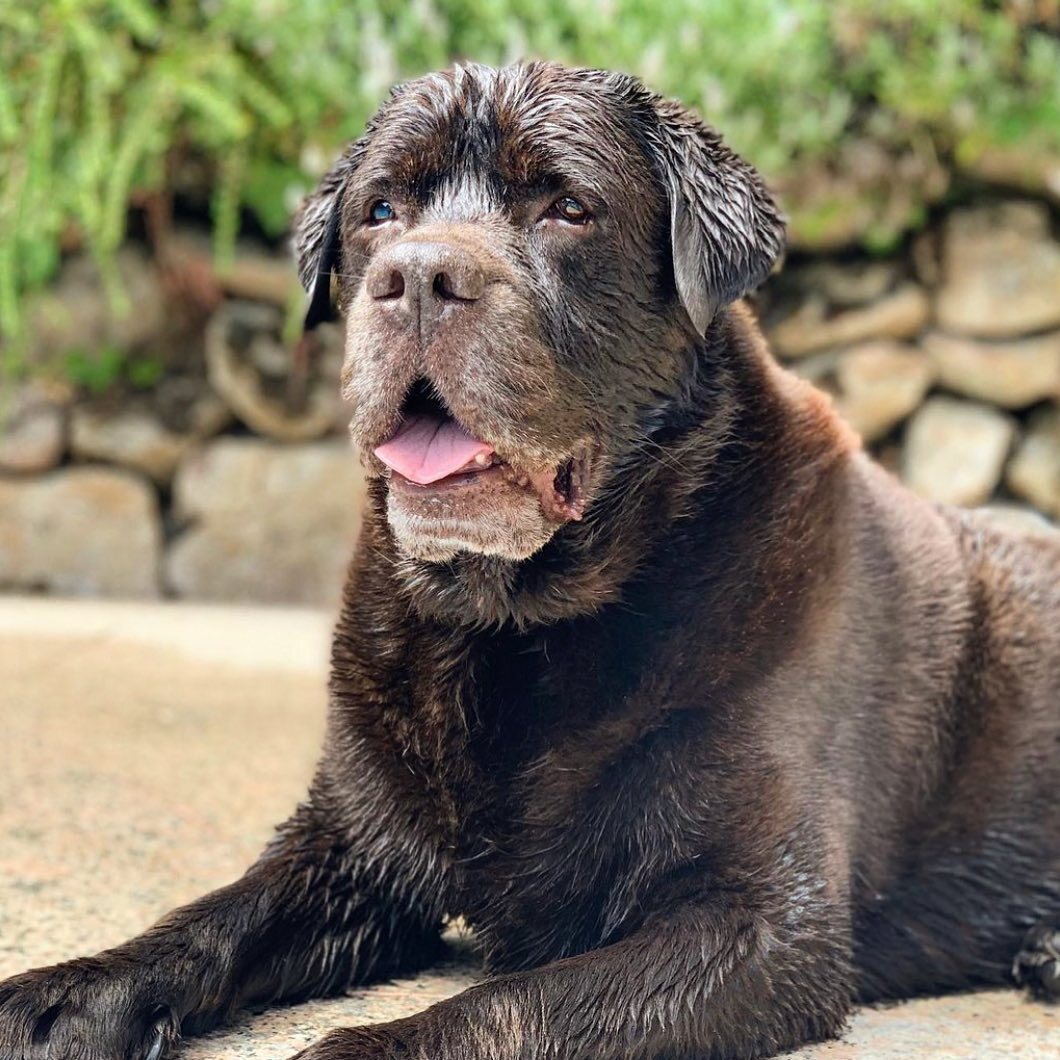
569	209
381	212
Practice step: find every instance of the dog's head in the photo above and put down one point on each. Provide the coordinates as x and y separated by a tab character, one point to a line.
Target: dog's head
527	258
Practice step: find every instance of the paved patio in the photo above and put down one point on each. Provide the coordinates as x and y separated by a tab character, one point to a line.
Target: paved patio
125	733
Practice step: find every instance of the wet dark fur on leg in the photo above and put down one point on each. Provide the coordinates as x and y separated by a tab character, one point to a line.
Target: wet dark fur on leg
710	734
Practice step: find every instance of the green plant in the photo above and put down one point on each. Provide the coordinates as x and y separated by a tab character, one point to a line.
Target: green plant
98	371
106	102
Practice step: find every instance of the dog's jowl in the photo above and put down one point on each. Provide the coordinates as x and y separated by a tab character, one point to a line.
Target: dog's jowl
705	725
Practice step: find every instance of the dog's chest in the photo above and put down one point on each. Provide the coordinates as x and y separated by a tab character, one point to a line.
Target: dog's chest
545	783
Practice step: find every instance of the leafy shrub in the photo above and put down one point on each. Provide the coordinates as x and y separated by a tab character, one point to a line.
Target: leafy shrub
104	102
101	370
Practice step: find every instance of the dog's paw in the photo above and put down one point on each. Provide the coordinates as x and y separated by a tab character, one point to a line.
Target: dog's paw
83	1010
1037	965
380	1042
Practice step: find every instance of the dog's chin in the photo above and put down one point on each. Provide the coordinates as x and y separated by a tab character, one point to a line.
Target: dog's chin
491	512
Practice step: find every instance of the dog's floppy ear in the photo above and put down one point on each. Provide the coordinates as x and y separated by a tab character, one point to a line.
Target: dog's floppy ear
725	228
317	234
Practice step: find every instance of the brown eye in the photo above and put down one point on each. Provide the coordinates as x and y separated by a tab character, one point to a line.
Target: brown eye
381	212
570	210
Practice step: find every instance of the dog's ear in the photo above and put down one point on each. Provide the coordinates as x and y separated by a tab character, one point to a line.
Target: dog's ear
317	235
725	228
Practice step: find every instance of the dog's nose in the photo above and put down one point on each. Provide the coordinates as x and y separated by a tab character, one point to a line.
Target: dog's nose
422	282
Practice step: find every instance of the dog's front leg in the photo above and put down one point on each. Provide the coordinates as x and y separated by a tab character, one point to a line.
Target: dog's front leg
324	907
720	980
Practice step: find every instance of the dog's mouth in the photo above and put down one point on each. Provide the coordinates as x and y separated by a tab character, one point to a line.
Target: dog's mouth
432	453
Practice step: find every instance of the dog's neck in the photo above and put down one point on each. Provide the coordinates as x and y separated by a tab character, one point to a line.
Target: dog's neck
731	451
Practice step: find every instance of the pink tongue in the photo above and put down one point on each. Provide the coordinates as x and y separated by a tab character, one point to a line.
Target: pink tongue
428	448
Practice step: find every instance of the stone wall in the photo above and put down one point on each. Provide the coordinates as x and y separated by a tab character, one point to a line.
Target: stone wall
230	478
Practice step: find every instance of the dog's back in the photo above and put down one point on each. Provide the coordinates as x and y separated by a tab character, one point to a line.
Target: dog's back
979	858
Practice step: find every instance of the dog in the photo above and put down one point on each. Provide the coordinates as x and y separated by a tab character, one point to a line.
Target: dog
705	725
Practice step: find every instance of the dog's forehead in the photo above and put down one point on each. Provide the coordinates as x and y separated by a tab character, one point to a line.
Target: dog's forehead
522	126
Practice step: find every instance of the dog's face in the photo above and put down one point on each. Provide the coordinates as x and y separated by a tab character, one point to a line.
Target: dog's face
526	258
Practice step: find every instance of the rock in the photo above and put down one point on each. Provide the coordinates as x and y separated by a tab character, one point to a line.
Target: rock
1034	471
251	367
1001	269
899	315
955	450
1018	166
1012	374
266	522
866	193
257	275
75	314
1019	519
880	383
149	432
925	254
185	404
254	273
85	531
818	368
850	284
130	438
33	426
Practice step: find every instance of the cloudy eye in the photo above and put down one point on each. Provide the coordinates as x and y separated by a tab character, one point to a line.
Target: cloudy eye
381	212
570	210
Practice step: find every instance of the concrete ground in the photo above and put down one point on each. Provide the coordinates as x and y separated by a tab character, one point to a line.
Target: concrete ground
145	752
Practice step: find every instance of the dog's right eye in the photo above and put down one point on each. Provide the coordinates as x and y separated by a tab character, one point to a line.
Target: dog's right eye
569	209
380	212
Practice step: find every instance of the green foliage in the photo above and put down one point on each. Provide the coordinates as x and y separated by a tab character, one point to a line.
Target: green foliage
98	371
103	102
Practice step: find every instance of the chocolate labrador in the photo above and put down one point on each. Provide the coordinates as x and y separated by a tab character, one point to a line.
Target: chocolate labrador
707	726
